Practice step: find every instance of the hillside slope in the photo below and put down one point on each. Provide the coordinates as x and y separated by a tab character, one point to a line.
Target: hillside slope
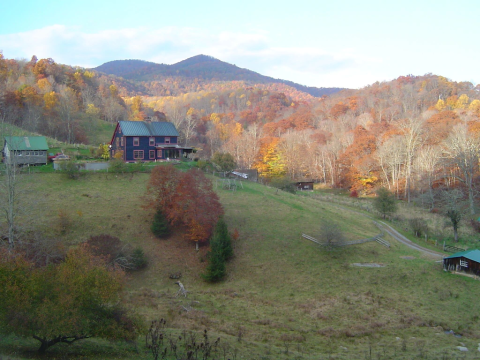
284	297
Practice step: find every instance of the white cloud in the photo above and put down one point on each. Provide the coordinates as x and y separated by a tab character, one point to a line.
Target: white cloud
305	65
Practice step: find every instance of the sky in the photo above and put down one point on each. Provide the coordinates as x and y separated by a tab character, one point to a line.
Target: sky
335	43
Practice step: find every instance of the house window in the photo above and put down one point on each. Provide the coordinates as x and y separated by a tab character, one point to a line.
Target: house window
151	154
159	154
138	154
121	141
167	140
136	141
151	141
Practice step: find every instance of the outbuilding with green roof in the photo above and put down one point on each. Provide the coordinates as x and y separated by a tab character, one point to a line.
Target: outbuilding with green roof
467	261
25	150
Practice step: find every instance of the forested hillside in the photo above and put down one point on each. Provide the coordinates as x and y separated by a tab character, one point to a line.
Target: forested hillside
414	135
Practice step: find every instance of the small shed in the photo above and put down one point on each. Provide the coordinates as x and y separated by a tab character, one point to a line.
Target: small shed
25	150
467	261
304	185
246	174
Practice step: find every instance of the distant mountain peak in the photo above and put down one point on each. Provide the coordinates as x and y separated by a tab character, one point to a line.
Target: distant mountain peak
201	66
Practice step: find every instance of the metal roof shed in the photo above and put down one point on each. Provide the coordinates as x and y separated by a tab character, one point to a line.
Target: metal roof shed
467	261
25	150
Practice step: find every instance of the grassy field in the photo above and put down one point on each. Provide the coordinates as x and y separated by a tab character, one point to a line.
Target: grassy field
283	298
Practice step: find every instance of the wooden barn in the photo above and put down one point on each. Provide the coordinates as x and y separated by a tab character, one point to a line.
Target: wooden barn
304	185
25	150
147	141
466	261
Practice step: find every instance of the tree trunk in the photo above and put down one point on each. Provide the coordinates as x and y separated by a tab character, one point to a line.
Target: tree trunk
43	347
471	199
45	344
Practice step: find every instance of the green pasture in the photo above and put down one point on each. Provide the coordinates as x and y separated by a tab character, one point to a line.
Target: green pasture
283	298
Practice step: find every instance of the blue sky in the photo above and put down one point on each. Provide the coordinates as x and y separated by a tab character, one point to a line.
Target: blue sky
349	43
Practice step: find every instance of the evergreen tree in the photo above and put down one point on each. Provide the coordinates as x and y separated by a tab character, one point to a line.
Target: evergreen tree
160	226
216	269
385	203
222	237
221	251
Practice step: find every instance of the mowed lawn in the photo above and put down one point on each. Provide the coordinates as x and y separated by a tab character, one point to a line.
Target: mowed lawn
283	297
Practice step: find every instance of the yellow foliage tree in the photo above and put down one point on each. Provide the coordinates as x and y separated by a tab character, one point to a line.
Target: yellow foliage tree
440	105
50	99
113	90
118	155
104	150
462	102
475	106
92	110
44	85
215	118
452	101
89	74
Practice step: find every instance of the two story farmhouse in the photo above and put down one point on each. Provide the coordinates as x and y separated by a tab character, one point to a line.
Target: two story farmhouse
146	141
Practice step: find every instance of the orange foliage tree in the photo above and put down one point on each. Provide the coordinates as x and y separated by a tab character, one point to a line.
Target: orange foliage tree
186	199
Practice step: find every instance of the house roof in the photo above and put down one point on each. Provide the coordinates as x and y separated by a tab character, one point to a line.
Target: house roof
473	255
143	128
26	142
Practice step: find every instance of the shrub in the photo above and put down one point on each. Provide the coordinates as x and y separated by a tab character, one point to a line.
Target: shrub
224	161
354	194
202	164
64	221
114	252
139	260
475	225
419	226
117	166
106	246
160	226
331	234
283	183
70	169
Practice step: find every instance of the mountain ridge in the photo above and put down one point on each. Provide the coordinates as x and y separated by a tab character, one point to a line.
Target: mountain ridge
200	66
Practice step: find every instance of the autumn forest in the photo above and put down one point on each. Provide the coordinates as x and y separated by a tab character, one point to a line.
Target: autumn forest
414	135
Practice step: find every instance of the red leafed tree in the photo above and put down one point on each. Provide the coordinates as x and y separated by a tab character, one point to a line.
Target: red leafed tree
162	186
185	199
195	205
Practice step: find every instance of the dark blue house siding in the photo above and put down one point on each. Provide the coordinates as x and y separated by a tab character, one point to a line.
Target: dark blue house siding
160	149
144	145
